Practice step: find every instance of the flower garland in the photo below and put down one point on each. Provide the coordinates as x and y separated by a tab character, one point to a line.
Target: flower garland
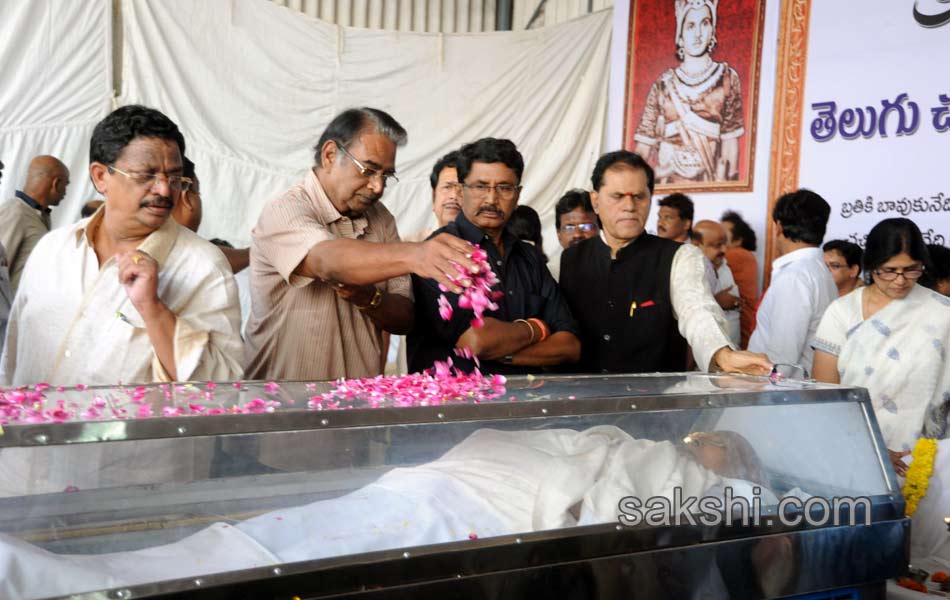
918	475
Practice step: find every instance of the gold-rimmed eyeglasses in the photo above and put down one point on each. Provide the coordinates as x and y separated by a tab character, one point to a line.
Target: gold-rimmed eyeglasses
369	172
149	180
481	190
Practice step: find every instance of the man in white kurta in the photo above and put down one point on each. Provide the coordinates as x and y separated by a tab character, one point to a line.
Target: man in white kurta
72	321
127	295
640	299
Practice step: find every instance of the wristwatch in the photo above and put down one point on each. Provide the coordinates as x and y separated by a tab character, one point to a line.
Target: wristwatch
508	359
375	302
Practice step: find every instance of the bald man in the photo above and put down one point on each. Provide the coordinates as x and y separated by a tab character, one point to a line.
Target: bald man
26	218
710	237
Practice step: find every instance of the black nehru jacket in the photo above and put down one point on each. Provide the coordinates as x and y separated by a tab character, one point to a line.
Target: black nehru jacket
529	291
623	306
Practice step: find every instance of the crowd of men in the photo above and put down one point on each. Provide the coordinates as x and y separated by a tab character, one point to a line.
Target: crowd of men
130	293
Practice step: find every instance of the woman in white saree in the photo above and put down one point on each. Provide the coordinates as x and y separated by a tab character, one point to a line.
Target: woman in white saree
891	337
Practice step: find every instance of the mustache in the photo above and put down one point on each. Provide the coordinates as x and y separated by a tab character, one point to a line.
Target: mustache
490	209
159	202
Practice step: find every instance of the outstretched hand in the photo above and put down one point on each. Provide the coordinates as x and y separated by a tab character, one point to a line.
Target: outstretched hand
437	258
741	361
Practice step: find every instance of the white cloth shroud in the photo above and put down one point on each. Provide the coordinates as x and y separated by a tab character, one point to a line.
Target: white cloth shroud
493	483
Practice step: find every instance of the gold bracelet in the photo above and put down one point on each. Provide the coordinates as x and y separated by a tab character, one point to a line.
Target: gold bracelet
530	328
375	302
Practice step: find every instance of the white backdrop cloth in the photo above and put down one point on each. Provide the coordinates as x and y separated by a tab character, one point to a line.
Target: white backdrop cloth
253	85
56	64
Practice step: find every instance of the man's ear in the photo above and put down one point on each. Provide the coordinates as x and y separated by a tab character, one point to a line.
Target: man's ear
185	200
328	153
98	173
594	199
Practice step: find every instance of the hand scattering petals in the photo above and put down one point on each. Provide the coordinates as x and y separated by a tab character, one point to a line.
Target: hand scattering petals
477	294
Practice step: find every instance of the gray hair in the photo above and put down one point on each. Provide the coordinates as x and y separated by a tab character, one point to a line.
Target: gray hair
349	124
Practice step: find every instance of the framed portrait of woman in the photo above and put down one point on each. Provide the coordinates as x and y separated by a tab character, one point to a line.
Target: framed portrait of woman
692	90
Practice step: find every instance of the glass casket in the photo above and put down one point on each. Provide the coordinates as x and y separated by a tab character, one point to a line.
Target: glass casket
663	486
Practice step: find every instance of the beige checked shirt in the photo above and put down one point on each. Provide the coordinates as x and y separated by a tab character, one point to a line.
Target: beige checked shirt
299	328
72	321
21	227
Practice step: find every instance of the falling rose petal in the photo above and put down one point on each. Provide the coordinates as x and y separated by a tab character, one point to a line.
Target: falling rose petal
473	536
81	387
70	489
60	388
238	385
445	309
172	411
271	387
144	411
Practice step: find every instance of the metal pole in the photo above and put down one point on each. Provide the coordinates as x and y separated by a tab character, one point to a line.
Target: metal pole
535	14
503	15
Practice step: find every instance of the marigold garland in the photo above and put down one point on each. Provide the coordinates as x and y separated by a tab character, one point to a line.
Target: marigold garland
918	475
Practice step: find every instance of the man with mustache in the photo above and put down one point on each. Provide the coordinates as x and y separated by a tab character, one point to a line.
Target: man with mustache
446	195
710	237
675	218
640	298
329	273
532	326
127	295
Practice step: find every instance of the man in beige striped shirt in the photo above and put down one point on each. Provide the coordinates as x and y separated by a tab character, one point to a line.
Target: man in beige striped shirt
328	271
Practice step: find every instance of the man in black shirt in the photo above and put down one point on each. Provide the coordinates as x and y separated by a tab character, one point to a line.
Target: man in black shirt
490	173
641	299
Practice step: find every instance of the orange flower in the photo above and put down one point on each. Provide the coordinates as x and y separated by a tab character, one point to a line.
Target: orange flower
939	577
910	584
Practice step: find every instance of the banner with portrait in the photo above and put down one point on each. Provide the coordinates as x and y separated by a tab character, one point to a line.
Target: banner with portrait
875	132
692	89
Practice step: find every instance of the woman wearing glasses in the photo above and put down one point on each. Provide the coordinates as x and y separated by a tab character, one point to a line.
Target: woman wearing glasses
891	337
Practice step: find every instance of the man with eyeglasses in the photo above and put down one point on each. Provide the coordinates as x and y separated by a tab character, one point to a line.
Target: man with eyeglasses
843	259
26	218
575	222
801	287
532	326
127	295
641	299
329	273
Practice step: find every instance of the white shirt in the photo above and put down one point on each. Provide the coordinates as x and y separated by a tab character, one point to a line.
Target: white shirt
243	281
724	281
72	321
801	290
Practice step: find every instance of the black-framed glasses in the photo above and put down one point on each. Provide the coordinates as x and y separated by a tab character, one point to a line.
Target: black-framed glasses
481	190
911	274
785	372
149	180
834	266
585	227
369	172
